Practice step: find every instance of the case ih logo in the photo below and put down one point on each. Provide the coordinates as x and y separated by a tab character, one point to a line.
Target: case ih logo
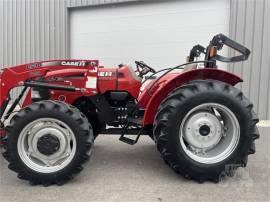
105	74
78	64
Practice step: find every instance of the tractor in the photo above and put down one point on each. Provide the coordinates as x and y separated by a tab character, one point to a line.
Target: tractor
202	125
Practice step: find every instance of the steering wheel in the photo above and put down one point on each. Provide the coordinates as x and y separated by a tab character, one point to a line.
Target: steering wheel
143	68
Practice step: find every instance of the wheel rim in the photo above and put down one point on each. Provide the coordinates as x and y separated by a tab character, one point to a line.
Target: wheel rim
46	145
209	133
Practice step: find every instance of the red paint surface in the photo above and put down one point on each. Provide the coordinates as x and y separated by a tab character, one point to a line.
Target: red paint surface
2	133
116	79
150	99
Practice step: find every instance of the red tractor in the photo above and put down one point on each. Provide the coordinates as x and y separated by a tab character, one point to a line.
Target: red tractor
203	127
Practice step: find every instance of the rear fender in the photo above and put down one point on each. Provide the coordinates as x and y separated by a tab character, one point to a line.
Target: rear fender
165	88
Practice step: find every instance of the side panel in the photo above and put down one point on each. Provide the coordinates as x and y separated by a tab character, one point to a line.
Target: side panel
84	79
151	100
118	79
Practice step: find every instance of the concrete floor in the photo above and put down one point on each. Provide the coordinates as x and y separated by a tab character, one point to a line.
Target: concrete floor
119	172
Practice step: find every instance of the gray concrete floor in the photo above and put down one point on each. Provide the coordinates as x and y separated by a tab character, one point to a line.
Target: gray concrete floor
119	172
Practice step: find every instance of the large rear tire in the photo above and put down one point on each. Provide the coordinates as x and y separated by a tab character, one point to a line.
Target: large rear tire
48	142
205	130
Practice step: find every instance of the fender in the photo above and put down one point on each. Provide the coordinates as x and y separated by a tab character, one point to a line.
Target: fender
153	101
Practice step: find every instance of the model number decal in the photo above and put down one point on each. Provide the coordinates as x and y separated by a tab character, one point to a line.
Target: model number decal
34	66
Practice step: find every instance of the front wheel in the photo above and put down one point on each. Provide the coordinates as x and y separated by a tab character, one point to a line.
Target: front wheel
205	130
48	142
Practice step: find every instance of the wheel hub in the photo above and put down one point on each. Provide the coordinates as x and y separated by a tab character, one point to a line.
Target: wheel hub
203	131
209	133
48	144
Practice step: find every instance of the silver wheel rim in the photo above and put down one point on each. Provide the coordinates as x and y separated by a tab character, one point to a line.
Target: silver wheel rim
209	133
28	145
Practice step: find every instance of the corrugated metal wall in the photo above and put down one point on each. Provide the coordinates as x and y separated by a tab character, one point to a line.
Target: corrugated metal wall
32	30
250	25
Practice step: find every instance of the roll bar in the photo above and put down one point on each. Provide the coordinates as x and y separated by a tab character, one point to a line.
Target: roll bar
216	44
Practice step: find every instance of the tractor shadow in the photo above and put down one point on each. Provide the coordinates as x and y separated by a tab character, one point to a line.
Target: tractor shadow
117	158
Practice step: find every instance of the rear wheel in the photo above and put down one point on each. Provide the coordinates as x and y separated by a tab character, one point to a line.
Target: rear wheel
205	130
48	142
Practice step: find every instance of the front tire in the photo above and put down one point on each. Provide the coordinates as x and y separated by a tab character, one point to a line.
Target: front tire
48	142
205	130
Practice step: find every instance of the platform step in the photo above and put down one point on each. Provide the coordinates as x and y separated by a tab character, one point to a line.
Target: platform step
128	140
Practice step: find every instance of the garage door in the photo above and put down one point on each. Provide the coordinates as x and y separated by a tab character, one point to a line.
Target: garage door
160	33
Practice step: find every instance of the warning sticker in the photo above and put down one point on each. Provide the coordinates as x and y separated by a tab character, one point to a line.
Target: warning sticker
91	82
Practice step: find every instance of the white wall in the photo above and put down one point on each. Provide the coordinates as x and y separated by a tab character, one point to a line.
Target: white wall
160	33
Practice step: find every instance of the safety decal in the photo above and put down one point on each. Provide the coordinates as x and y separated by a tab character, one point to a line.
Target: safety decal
91	82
